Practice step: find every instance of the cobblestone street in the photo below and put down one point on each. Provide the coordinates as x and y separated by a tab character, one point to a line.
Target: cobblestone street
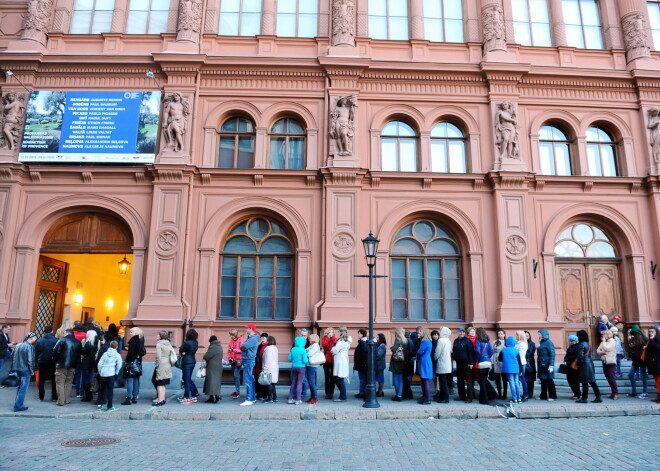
618	443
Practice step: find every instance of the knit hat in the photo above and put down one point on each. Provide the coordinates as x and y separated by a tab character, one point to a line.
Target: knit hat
572	338
636	329
212	338
30	335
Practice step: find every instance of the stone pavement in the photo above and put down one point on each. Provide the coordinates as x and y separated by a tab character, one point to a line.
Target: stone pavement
591	444
229	409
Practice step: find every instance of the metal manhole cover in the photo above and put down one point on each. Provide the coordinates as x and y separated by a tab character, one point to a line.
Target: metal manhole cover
87	442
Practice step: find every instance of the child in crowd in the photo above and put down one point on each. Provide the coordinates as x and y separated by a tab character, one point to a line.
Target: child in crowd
109	366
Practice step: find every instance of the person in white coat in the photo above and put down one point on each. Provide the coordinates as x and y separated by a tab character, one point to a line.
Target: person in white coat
443	368
340	366
271	365
109	366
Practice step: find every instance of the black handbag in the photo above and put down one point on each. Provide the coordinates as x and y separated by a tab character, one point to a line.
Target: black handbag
133	368
562	369
179	362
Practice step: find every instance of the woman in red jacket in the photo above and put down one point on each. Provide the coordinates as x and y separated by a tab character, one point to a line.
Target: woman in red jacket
234	356
327	342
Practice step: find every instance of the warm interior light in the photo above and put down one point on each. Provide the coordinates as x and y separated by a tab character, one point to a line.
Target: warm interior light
123	265
109	303
77	298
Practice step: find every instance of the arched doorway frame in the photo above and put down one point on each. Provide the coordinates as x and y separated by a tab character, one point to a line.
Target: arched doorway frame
628	241
37	224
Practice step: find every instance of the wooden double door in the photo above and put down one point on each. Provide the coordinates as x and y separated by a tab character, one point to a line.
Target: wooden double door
587	291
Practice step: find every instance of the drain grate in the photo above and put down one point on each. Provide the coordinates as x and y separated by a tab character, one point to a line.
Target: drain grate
88	442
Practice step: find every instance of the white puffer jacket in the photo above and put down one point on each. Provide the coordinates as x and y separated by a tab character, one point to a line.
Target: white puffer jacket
110	363
442	353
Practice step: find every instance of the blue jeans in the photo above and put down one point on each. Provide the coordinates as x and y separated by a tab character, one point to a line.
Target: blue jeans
250	393
514	380
363	382
311	380
86	377
523	382
631	377
341	384
236	371
397	381
305	385
77	380
24	377
133	386
189	388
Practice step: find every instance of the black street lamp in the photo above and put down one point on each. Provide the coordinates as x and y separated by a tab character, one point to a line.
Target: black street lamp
370	250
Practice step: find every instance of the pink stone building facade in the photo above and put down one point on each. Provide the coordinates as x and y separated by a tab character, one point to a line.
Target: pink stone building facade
507	158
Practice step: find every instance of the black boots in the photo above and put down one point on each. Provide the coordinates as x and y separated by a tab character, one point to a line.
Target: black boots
127	402
88	394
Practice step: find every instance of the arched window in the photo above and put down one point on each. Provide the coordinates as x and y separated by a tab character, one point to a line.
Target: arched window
601	154
584	240
582	22
256	271
287	144
388	19
654	20
447	149
554	151
443	20
398	146
92	16
426	278
236	143
147	16
531	22
239	18
297	18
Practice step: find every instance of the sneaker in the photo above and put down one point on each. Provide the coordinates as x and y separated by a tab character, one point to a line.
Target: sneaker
290	401
643	396
99	407
313	401
185	402
112	409
21	409
181	399
551	399
632	395
247	403
267	401
193	399
339	400
298	403
235	395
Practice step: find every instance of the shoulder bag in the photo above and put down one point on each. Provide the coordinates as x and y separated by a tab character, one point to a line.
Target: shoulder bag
317	359
134	368
398	355
201	372
264	378
173	358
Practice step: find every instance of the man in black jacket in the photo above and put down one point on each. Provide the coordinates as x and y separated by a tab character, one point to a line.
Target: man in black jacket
44	356
66	354
5	346
464	356
360	363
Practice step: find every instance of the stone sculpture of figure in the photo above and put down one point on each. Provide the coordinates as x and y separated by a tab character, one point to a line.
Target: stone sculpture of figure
343	23
37	20
12	119
190	20
654	126
174	128
634	36
342	124
492	18
506	131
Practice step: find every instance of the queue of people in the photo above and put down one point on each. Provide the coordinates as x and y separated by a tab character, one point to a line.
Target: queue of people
75	355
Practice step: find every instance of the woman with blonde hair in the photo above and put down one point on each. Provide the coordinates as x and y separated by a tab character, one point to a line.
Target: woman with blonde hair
522	346
66	325
340	368
398	361
90	347
607	352
133	366
327	342
315	356
425	365
162	367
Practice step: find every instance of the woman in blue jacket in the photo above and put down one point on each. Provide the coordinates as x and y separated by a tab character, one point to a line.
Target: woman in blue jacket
299	360
512	367
484	352
425	365
545	360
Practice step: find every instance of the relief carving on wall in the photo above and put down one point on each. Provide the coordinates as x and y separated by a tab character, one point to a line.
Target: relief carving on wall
190	21
13	114
492	20
175	112
516	245
506	131
634	36
654	126
167	240
37	20
343	244
343	23
342	124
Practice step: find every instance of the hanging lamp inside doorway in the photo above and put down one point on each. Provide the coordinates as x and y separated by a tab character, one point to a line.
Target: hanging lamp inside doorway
123	265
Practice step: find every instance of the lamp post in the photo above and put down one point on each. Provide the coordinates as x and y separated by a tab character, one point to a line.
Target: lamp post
370	244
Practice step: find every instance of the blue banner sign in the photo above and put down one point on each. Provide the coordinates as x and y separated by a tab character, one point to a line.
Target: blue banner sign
82	126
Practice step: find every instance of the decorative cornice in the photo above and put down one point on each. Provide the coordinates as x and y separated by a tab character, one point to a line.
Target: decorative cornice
167	176
206	178
140	177
87	177
426	183
258	180
35	177
587	186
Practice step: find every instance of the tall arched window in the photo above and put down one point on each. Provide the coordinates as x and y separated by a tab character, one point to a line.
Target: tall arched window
554	151
297	18
147	16
426	275
92	16
531	22
398	147
256	272
654	20
287	144
388	19
582	22
443	20
447	149
583	240
601	154
239	18
236	143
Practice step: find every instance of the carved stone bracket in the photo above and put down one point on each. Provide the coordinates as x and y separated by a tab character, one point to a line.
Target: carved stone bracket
634	36
343	23
190	21
38	20
492	20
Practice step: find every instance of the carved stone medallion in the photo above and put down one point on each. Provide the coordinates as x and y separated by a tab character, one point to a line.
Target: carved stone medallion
167	240
343	245
516	245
